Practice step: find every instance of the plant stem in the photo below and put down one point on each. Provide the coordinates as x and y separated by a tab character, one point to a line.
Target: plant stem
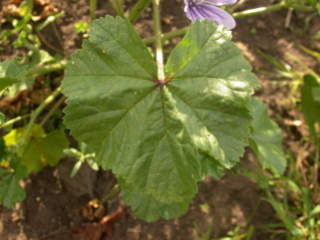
113	192
166	36
48	68
117	6
260	10
36	71
236	6
13	121
35	115
93	8
158	40
137	9
52	110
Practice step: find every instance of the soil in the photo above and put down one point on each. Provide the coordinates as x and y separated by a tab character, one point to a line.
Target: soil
56	204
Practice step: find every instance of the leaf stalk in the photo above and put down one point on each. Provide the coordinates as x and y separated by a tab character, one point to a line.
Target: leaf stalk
47	68
36	71
93	8
137	9
117	6
35	115
13	121
158	40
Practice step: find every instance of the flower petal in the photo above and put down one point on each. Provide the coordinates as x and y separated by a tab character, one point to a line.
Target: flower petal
223	2
191	13
215	14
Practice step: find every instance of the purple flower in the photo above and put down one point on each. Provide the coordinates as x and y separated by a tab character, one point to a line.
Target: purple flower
201	9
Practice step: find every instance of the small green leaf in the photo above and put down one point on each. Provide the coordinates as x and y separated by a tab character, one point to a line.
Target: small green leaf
81	27
13	137
25	9
159	139
53	145
312	53
11	72
294	187
10	190
44	151
309	105
315	211
266	139
41	149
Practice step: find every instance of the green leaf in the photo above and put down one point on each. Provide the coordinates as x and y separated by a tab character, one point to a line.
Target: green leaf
312	53
212	83
25	8
13	137
266	139
313	2
11	72
81	27
44	151
53	145
10	190
315	211
316	94
148	208
309	104
159	139
41	149
14	74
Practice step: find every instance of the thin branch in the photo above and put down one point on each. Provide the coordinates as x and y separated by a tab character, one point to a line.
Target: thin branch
93	8
117	7
52	110
47	68
137	9
35	115
13	121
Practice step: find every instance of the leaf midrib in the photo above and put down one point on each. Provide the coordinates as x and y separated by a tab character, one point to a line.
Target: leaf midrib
121	77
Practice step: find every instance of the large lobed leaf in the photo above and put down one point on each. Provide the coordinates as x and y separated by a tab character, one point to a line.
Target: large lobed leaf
159	139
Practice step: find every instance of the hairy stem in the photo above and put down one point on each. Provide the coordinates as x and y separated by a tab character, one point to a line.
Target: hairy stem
13	121
117	6
137	9
52	110
33	72
260	10
166	36
35	115
48	68
158	40
93	8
